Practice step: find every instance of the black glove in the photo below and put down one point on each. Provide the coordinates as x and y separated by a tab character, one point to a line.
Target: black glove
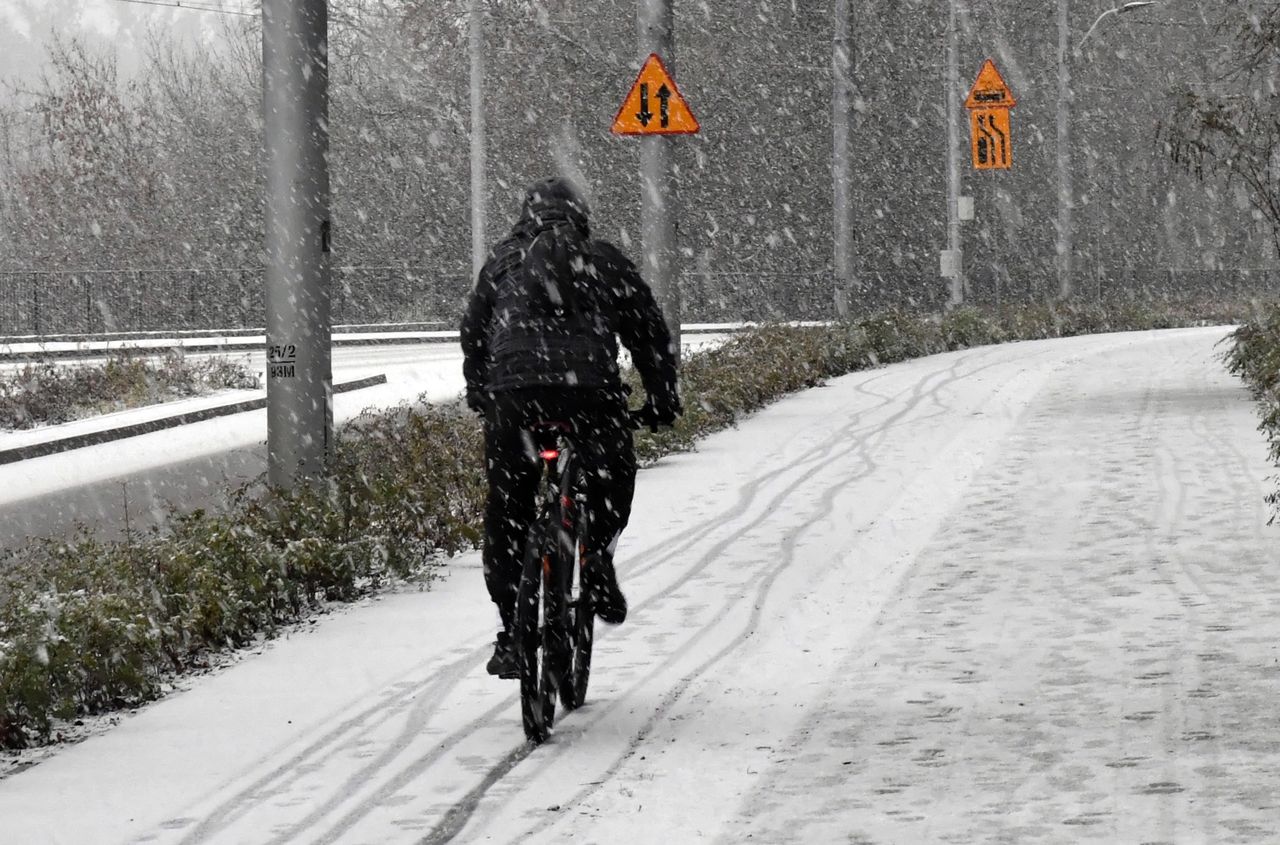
478	400
660	410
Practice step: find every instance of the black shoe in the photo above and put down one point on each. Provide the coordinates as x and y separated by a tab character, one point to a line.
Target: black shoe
505	663
608	602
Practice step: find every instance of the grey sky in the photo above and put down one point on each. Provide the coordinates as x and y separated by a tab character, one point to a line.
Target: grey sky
26	26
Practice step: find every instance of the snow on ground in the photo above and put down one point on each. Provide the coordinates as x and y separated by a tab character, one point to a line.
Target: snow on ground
1013	594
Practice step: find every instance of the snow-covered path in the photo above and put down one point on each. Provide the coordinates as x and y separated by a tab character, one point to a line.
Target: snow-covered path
1015	594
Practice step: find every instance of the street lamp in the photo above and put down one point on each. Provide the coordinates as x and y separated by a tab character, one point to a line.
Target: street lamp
1118	10
1065	192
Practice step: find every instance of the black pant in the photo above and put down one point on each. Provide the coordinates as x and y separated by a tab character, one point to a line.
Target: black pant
600	435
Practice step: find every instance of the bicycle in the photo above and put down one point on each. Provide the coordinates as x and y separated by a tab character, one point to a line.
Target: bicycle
555	620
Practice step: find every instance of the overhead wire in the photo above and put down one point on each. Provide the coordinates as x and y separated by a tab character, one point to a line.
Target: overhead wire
196	7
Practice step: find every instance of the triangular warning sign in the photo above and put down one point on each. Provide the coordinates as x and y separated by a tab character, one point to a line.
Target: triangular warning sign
990	91
654	105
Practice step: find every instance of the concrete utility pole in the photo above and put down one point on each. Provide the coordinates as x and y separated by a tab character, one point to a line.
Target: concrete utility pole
1066	198
479	190
299	368
955	245
841	165
658	224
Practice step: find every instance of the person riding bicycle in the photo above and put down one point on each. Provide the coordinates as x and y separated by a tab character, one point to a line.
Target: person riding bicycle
540	344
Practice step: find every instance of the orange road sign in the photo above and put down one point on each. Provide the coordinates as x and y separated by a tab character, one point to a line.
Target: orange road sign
992	139
990	90
654	106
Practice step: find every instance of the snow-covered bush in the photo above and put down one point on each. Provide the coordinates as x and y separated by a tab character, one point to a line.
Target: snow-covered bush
1254	355
44	393
413	476
967	326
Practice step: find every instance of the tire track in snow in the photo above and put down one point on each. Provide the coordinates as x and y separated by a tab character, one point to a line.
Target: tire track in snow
436	691
679	543
460	813
1188	731
936	709
867	437
1178	716
821	455
380	712
746	632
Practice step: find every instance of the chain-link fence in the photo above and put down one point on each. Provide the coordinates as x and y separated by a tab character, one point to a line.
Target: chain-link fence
94	302
994	286
45	304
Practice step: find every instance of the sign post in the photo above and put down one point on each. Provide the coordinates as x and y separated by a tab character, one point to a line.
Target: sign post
299	366
655	110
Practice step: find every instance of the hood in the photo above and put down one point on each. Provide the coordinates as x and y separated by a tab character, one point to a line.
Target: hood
552	202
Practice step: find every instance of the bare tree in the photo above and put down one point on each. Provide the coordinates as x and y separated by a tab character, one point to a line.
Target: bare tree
1231	127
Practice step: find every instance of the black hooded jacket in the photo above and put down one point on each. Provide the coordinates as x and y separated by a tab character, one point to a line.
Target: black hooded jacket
551	303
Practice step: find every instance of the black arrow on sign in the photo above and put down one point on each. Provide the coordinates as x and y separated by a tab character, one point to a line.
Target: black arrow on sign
1003	150
664	95
644	115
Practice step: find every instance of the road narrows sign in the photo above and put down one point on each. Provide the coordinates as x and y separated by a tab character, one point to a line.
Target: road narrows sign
654	105
990	121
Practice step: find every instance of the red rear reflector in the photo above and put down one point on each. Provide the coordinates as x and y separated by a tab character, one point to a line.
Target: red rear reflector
549	454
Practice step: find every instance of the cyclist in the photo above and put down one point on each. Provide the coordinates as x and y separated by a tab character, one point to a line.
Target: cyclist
540	343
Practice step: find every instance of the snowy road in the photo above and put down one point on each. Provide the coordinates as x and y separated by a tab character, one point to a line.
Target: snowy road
132	482
194	464
1015	594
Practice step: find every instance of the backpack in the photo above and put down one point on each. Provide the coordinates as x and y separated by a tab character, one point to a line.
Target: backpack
556	271
551	325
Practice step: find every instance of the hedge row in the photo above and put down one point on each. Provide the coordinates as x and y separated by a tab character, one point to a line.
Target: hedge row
46	394
89	626
1254	355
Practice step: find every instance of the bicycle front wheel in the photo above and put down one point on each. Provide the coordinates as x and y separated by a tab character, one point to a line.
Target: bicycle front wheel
573	688
537	701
